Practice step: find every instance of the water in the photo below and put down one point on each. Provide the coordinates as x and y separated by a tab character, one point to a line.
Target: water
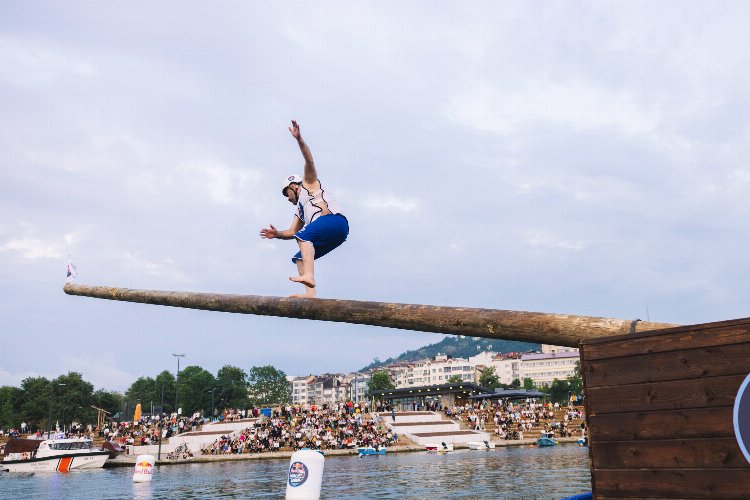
507	472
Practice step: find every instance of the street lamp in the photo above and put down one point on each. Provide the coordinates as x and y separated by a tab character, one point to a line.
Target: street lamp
176	380
51	396
212	403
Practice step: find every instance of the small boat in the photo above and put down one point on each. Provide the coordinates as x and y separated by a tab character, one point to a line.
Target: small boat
481	445
49	455
369	450
439	448
547	439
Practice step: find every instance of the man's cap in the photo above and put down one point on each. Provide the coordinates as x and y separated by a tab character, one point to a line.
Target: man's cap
292	179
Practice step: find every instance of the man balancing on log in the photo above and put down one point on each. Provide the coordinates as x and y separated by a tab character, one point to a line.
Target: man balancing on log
318	224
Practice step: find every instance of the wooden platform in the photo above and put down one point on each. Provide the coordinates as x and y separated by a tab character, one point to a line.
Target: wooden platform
660	412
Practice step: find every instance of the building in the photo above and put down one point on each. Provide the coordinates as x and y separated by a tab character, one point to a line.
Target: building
432	371
507	366
358	384
298	387
417	398
327	389
543	369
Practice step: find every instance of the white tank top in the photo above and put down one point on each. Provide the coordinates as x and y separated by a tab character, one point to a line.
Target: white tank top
311	204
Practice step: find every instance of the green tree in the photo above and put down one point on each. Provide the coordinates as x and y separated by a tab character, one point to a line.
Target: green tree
528	384
516	384
266	385
10	405
143	391
194	386
576	381
489	378
454	379
165	382
379	381
37	395
558	391
231	388
110	401
73	395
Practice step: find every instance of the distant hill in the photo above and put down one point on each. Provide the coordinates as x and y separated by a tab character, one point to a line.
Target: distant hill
457	347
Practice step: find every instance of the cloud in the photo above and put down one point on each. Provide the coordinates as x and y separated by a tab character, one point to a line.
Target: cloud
576	103
25	62
166	267
389	202
544	239
32	248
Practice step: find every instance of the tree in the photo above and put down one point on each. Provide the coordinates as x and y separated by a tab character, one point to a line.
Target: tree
110	401
37	395
72	395
489	378
267	386
143	391
231	388
195	385
515	384
454	379
165	381
528	384
10	404
379	381
576	381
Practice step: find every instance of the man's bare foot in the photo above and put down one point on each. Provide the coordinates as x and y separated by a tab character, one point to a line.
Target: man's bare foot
310	294
305	279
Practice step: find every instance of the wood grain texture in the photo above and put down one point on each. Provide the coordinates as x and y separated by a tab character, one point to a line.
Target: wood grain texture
672	424
556	329
729	332
668	454
673	483
712	361
671	395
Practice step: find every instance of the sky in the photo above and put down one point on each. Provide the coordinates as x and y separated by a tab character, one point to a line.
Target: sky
585	158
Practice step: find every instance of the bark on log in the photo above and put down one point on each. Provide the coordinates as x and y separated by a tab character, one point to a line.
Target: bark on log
546	328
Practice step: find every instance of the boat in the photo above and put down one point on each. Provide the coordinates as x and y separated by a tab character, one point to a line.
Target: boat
439	448
481	445
369	450
546	439
584	441
49	455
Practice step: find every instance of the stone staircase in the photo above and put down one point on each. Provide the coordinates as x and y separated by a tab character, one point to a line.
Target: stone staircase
425	427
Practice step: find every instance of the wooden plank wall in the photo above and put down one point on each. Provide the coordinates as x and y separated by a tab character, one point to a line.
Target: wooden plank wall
659	408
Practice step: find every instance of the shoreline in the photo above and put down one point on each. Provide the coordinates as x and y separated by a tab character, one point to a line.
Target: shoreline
129	460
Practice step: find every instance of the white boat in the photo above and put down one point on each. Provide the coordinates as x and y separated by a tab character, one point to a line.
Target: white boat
49	455
481	445
439	447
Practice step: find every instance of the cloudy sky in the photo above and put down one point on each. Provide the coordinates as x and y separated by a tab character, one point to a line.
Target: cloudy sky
573	157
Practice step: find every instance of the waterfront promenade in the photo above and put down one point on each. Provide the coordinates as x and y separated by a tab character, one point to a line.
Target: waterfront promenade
129	460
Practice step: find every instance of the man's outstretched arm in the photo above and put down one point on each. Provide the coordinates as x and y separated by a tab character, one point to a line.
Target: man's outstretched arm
271	232
310	175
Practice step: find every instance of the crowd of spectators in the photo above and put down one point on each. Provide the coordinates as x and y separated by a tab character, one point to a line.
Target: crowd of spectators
512	420
345	425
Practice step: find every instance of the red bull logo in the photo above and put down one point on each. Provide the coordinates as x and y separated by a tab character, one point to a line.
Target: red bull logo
143	464
297	474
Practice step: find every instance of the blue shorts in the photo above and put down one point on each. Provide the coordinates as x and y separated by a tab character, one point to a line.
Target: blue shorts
325	233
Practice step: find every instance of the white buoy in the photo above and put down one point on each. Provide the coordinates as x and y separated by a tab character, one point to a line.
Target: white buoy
144	468
305	476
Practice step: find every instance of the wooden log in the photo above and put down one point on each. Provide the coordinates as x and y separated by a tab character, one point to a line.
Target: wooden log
546	328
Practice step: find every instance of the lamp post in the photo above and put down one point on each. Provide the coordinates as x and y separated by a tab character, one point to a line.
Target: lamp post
212	402
51	397
176	380
161	417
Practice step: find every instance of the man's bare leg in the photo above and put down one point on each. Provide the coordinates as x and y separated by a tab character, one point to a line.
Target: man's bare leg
306	269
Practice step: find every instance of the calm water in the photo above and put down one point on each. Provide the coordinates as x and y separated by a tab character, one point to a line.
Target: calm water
508	472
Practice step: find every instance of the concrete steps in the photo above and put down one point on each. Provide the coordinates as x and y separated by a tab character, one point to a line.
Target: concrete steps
425	427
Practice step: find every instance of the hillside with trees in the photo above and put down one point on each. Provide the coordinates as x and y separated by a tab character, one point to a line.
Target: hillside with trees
457	347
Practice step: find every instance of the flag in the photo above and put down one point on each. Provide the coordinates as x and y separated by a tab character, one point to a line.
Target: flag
72	272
